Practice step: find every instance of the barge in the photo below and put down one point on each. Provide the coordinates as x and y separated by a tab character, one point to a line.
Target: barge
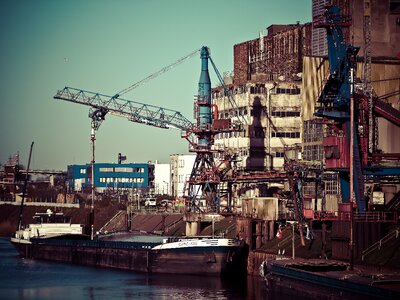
325	279
151	254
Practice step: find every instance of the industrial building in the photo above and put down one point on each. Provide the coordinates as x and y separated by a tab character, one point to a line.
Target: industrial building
272	112
161	179
277	56
181	166
111	176
377	72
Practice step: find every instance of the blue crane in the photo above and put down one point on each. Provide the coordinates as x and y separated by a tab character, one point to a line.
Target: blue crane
335	109
205	175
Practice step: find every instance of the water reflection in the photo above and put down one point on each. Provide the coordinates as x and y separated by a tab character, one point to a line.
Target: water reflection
30	279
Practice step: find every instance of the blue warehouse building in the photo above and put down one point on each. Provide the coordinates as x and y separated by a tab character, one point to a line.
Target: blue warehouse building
110	175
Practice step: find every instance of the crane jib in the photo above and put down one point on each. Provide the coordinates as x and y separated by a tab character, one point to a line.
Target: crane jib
131	110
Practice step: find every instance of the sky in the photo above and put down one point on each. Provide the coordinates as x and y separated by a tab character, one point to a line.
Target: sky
105	46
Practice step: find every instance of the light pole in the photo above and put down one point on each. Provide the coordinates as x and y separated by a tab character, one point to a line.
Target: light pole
93	138
97	116
293	238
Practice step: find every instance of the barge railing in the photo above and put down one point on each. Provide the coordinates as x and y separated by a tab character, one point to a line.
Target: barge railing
377	246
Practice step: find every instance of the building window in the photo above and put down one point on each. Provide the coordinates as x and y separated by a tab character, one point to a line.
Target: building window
124	169
181	163
313	131
82	171
309	189
181	179
105	170
331	183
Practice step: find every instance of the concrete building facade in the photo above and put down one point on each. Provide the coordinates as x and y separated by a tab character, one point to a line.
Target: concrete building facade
277	56
162	179
181	166
272	112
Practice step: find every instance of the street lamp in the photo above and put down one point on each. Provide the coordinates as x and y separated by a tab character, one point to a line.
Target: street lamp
293	248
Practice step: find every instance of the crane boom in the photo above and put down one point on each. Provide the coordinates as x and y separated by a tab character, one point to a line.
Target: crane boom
154	75
131	110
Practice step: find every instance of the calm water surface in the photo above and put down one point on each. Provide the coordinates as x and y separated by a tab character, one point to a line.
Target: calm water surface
30	279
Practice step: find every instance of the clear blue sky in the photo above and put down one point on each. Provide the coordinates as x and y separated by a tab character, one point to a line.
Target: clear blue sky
105	46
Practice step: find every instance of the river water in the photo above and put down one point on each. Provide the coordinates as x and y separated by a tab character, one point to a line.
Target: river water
31	279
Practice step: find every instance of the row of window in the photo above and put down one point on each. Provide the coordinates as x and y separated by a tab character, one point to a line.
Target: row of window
230	134
255	90
119	179
283	114
295	91
258	133
232	113
243	112
116	170
121	170
289	135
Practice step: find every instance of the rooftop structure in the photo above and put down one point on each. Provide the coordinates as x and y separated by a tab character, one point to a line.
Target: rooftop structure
277	56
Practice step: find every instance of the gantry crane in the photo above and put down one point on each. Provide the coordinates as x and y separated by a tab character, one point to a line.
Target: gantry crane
348	139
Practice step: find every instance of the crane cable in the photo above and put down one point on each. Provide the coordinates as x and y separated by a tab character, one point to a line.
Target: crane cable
162	71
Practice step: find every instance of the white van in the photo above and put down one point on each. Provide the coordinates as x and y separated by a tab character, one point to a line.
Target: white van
150	202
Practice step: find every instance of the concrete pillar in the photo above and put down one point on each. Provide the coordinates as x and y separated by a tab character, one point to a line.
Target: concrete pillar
271	230
192	228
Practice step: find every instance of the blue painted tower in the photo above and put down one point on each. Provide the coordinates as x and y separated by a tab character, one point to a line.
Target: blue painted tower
204	103
204	179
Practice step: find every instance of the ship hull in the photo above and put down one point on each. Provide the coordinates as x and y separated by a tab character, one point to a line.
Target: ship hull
218	260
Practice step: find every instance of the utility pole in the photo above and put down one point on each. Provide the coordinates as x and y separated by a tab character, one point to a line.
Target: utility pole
24	189
97	117
92	138
293	247
293	238
351	242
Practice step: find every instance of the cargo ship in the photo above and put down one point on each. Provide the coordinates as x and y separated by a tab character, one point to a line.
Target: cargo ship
55	240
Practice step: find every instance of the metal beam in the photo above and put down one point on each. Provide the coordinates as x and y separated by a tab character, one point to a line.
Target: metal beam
131	110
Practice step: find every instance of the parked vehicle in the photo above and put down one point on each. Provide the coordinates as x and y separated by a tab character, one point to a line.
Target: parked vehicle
150	202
